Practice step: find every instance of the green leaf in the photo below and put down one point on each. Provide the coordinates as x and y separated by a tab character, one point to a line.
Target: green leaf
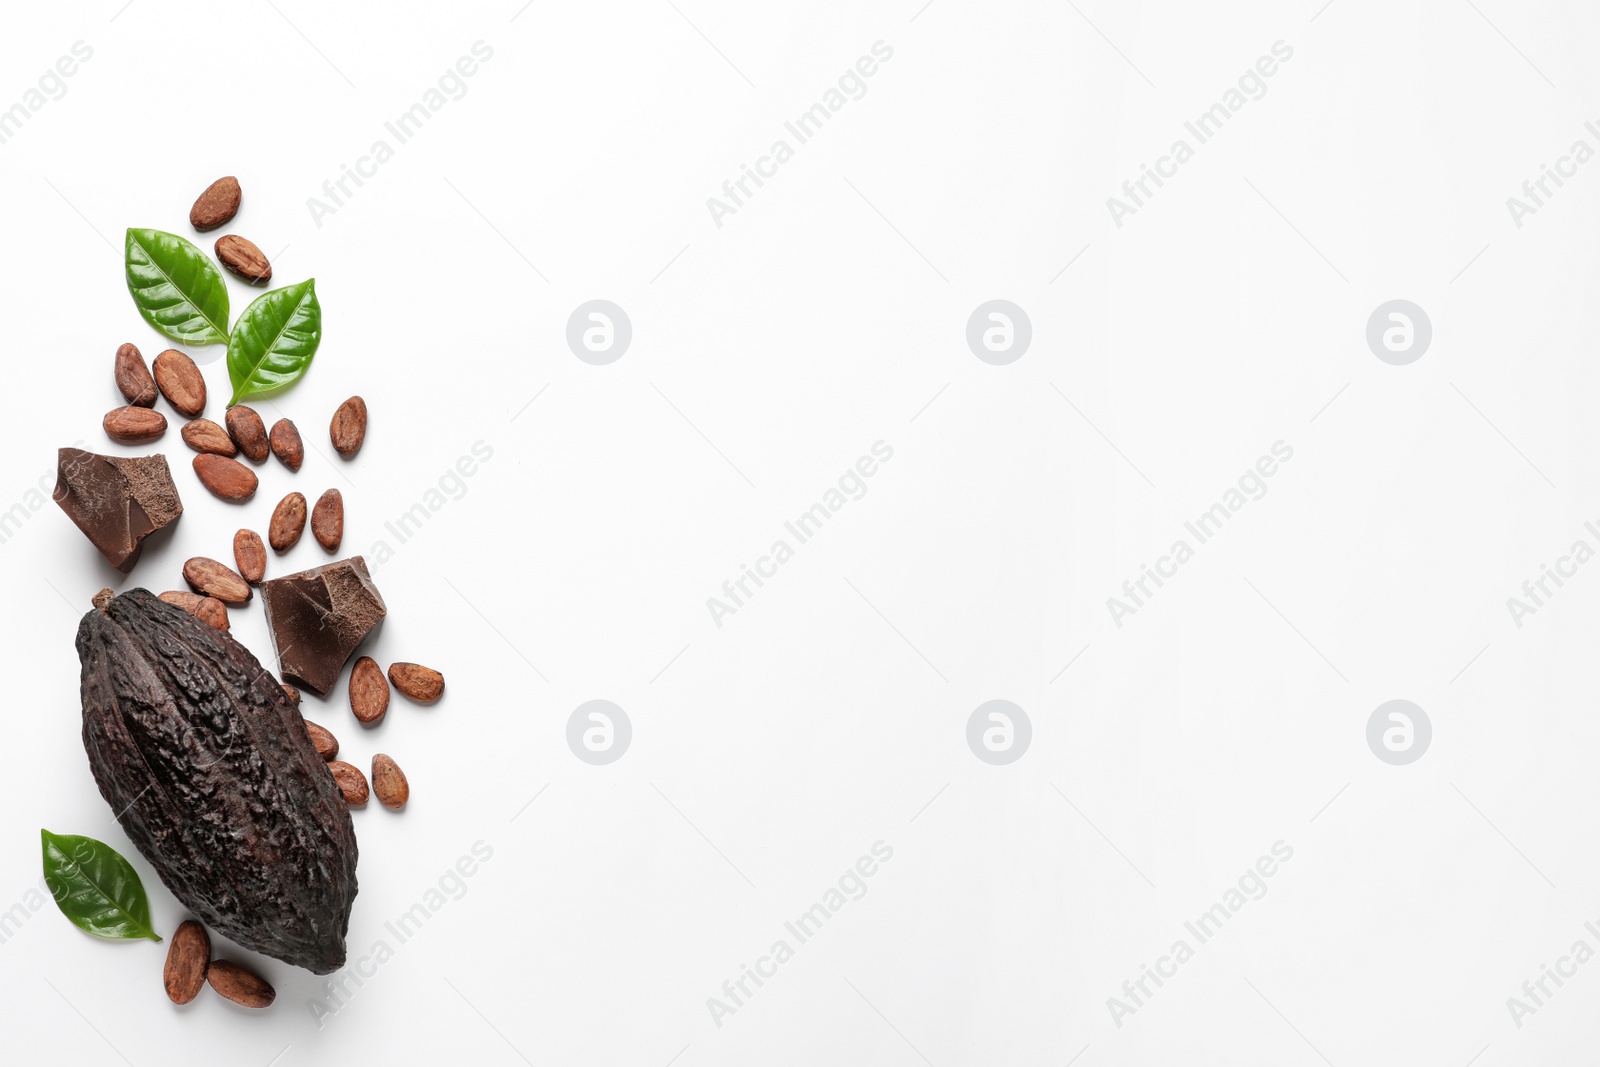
177	288
95	887
274	340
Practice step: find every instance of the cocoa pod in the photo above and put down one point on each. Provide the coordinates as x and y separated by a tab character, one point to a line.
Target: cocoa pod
351	782
420	683
286	444
207	609
349	427
180	382
288	522
210	773
226	478
240	984
326	744
217	205
203	435
188	960
389	782
134	425
251	556
207	576
369	693
247	431
133	377
327	520
243	258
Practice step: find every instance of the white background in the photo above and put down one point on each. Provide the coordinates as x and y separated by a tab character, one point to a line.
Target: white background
768	354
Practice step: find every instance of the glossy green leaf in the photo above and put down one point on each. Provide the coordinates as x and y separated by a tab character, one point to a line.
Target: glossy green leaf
95	887
274	340
177	287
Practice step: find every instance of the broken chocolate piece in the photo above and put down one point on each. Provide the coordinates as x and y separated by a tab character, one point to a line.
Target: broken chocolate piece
319	617
117	501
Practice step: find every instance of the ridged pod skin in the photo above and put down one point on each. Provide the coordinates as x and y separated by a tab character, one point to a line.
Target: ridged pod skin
212	775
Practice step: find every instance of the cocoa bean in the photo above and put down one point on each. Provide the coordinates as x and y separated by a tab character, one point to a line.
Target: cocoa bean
326	744
188	960
327	520
389	782
243	258
352	783
248	432
203	435
349	427
218	204
288	522
134	425
180	382
207	576
286	444
226	478
240	984
420	683
369	693
251	556
133	377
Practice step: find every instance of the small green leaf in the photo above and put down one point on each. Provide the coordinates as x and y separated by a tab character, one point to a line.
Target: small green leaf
274	340
95	887
177	288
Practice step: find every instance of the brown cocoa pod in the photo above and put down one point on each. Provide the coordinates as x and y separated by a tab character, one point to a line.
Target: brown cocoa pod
349	427
210	774
240	984
207	609
248	432
286	444
133	377
134	425
327	520
251	556
326	744
188	960
389	782
352	783
217	205
180	382
243	258
369	693
226	478
292	693
288	522
420	683
203	435
207	576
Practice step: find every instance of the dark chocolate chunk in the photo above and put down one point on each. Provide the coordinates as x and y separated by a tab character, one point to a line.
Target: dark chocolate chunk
318	618
117	501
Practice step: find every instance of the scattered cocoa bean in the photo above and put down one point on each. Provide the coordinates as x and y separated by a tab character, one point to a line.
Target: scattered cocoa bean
207	576
188	960
243	258
180	382
420	683
292	693
207	609
326	744
286	444
226	478
349	427
369	693
327	520
288	522
240	984
134	425
389	782
203	435
248	432
218	204
352	783
102	598
133	377
251	556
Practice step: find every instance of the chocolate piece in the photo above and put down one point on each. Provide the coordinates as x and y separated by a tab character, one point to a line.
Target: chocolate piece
318	618
117	501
